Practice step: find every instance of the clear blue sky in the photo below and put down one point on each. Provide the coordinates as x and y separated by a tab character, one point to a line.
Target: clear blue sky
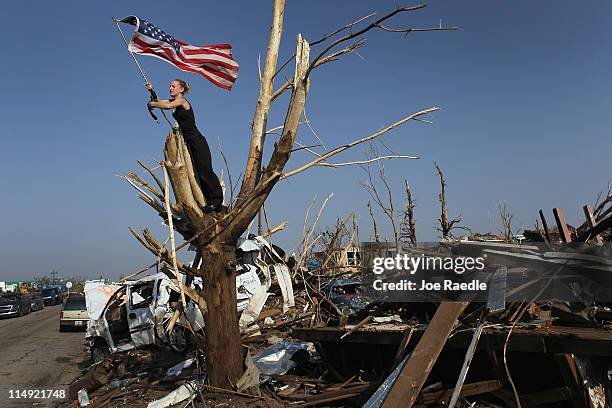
525	90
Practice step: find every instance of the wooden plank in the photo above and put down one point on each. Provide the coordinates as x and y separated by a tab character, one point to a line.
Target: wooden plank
401	350
562	225
327	397
591	222
326	400
588	341
467	390
356	327
601	226
571	378
410	381
544	225
557	339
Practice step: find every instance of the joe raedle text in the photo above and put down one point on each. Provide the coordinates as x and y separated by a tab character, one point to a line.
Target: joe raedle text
446	285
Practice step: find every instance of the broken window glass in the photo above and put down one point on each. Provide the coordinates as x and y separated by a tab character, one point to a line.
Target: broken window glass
142	295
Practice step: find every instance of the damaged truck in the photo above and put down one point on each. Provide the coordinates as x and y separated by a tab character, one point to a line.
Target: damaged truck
135	314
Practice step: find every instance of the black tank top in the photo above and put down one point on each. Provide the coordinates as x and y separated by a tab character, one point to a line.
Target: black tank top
186	121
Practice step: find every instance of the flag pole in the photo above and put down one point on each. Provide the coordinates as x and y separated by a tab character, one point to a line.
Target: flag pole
128	49
153	94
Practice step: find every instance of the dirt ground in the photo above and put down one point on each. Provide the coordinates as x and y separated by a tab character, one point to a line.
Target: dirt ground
35	355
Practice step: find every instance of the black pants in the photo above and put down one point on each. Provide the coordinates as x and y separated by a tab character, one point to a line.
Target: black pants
202	163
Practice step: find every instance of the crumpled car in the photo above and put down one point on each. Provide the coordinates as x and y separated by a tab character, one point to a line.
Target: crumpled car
136	315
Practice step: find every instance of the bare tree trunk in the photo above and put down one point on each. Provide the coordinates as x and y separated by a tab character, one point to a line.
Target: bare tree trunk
445	226
375	231
408	227
506	218
252	171
386	205
224	358
442	197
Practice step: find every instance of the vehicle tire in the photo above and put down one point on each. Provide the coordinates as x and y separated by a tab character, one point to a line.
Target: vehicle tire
99	351
62	329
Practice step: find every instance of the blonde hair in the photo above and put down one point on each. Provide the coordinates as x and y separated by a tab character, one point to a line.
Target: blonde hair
184	84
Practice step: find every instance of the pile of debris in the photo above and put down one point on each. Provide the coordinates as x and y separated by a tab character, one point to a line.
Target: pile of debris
313	336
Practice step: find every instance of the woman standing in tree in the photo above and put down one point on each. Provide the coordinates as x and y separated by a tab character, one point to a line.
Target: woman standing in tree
182	112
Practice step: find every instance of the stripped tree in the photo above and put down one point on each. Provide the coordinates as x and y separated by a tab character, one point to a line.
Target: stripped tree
505	217
216	235
407	224
446	226
383	197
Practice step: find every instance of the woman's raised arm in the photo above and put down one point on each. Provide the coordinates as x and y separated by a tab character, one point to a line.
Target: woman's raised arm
165	104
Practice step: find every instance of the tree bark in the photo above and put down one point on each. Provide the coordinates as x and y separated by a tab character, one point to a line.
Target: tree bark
224	355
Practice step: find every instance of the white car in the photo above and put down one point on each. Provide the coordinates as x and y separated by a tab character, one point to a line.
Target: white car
135	316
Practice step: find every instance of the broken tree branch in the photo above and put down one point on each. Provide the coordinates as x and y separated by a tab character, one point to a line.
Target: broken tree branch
376	236
307	236
260	118
172	243
387	206
229	176
150	171
415	30
357	162
371	26
145	184
356	142
329	58
275	229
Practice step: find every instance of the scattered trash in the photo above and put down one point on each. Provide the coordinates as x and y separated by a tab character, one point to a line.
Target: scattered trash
178	369
280	358
249	382
388	319
182	393
83	397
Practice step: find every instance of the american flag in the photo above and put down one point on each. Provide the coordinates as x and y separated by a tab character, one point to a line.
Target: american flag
214	62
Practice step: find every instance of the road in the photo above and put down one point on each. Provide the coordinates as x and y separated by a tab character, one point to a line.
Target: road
35	355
